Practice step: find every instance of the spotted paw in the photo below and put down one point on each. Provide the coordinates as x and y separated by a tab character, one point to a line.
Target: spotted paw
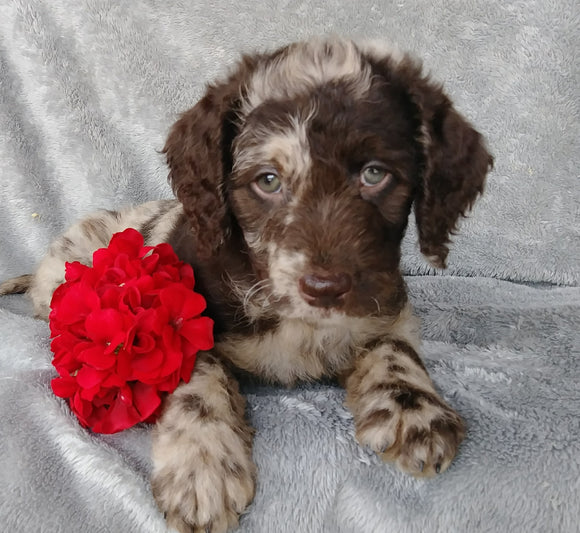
202	483
415	429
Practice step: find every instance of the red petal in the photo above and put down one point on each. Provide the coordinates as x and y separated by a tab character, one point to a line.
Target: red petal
81	408
165	253
199	332
63	350
104	324
181	302
147	365
76	303
152	418
103	259
144	283
126	394
129	264
172	298
88	377
74	271
186	275
111	297
64	387
171	346
170	340
170	384
124	364
129	242
113	380
98	414
146	399
132	297
77	329
105	397
64	338
150	321
150	263
194	304
97	357
114	276
89	394
187	368
119	416
143	343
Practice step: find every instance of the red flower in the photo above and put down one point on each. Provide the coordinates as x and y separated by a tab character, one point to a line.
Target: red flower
125	332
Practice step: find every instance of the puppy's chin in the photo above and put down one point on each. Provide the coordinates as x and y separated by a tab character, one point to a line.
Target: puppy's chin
316	316
295	307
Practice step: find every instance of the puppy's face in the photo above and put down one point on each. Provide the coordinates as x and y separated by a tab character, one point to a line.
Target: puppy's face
314	155
321	187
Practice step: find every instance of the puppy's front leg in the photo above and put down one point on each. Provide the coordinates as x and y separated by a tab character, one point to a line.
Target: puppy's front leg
397	411
203	474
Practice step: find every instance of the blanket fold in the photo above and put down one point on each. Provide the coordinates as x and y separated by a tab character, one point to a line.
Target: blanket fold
88	91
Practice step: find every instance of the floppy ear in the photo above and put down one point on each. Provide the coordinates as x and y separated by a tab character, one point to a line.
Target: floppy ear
198	152
455	159
455	167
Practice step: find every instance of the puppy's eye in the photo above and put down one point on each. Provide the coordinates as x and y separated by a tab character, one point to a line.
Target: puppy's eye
268	183
373	175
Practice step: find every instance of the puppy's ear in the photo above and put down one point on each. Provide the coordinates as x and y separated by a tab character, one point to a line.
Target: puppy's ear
455	159
198	152
456	164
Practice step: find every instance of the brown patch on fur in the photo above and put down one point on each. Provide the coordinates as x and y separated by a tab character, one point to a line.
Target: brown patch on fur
196	404
406	398
409	351
398	346
218	148
67	245
149	227
319	114
198	153
401	417
232	468
17	285
450	428
456	160
417	435
96	227
203	472
378	417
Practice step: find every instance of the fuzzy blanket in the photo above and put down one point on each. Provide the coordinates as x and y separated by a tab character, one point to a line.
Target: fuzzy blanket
88	90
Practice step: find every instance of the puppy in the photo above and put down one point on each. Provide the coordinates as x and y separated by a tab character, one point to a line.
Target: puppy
294	180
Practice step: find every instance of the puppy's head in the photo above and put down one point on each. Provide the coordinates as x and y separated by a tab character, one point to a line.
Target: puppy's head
313	156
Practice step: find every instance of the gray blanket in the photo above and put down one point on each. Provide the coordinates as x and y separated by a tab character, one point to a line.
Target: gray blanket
88	90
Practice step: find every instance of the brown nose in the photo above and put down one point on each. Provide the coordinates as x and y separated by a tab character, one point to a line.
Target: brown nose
326	290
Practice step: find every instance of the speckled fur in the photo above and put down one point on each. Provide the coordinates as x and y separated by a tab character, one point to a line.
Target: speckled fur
314	113
154	219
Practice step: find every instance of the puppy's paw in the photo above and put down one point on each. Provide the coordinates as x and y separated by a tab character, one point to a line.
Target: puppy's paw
203	482
416	430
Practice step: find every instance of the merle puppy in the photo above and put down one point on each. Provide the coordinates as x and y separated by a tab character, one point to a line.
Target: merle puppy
294	180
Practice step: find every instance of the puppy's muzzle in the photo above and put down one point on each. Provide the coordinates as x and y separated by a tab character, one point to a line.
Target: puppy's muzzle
325	290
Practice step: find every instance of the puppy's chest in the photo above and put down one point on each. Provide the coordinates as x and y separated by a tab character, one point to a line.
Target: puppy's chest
293	351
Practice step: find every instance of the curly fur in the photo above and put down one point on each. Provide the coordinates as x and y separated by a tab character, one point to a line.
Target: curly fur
303	280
